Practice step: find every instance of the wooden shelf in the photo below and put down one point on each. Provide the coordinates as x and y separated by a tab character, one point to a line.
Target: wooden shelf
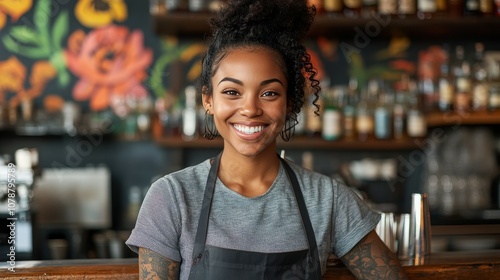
466	118
300	142
196	25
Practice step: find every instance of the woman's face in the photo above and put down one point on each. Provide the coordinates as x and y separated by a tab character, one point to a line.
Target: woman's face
249	100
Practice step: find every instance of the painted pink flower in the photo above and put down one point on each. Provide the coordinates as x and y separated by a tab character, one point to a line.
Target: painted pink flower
108	61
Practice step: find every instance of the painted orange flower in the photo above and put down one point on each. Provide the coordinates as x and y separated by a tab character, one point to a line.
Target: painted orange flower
13	8
12	76
109	61
98	13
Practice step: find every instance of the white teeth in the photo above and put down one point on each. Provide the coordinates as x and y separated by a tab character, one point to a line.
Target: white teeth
248	129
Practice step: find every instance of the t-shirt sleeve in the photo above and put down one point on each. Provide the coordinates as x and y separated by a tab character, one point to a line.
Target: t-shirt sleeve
352	220
158	224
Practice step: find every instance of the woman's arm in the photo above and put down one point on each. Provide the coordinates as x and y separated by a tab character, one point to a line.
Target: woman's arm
153	266
371	259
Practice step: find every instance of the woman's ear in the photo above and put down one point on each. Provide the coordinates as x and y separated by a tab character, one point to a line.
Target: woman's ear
206	98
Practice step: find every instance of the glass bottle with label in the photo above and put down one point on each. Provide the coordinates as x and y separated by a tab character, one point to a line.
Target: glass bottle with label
352	8
369	8
494	81
446	89
189	115
480	75
426	8
463	87
332	116
334	7
407	8
349	110
387	7
486	7
442	7
471	8
364	118
399	109
416	125
383	117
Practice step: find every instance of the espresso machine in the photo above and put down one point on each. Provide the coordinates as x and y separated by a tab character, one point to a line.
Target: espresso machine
16	212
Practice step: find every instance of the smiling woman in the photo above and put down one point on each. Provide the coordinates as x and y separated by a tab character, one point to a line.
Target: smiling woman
248	214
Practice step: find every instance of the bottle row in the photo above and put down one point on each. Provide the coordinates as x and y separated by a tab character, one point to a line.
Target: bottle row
355	8
407	8
462	84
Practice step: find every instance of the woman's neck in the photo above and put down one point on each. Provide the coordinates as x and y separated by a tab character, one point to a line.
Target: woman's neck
248	176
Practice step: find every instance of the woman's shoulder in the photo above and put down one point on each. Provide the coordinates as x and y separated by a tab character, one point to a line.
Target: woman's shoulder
185	178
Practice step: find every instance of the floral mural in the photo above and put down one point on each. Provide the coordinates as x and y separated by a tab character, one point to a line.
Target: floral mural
108	61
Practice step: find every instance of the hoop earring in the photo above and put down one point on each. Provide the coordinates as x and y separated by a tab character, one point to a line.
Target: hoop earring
210	129
288	131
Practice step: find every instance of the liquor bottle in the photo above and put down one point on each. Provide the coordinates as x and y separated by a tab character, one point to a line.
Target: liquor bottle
349	110
399	109
446	89
494	81
442	8
399	115
416	125
352	8
480	89
369	8
176	5
189	115
426	8
364	113
332	116
198	6
388	7
461	74
471	8
407	8
486	7
383	117
334	7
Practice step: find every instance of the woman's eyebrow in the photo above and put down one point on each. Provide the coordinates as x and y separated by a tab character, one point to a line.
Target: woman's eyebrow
236	81
263	83
266	82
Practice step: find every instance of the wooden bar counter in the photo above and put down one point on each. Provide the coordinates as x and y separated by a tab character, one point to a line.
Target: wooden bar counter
446	265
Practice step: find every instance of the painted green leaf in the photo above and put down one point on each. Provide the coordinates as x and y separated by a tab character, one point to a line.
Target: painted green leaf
24	34
31	52
41	18
60	29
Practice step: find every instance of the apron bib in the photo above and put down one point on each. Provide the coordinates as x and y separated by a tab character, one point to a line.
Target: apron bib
214	263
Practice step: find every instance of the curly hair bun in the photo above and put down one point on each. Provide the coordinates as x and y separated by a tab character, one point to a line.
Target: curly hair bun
252	20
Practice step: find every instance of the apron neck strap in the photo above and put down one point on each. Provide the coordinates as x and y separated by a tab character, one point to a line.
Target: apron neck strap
201	233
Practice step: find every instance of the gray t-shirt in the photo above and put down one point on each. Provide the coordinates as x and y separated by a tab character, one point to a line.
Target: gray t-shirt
269	223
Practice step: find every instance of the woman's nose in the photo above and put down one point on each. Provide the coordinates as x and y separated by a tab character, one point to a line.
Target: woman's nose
250	107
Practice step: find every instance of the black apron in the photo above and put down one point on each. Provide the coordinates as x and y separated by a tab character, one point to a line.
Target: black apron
214	263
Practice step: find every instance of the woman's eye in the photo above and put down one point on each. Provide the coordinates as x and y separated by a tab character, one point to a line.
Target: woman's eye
230	92
269	93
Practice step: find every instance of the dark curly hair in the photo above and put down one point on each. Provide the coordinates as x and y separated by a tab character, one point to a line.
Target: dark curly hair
279	25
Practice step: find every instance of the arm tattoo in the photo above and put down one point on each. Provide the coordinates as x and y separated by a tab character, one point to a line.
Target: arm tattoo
153	266
371	259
